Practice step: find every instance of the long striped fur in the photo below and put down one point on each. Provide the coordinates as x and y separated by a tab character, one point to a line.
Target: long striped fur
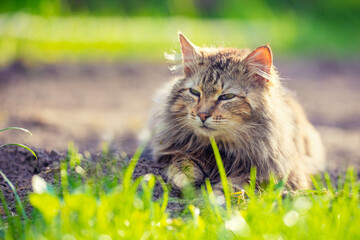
262	126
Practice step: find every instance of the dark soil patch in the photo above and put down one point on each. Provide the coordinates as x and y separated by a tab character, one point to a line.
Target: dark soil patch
20	166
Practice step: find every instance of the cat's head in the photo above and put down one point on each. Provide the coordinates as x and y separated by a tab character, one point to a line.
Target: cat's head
222	88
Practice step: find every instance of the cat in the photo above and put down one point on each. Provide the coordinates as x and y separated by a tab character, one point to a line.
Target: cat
235	96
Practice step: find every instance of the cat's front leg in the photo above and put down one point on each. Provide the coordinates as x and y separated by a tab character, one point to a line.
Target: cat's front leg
182	172
236	185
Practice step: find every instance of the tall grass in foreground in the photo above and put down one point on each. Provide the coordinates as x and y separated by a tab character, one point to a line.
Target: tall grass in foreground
87	202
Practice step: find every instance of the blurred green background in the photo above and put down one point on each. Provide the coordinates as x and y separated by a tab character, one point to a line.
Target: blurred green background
107	30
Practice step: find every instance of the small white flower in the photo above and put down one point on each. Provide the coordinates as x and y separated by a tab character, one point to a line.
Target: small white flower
238	225
147	177
104	237
138	203
220	200
302	204
121	233
39	185
291	218
197	212
80	170
68	237
272	237
127	223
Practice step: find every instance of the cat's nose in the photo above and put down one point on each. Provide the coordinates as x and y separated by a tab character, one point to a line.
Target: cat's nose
203	116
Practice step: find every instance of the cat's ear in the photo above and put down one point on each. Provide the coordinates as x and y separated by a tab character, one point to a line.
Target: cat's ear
259	61
189	55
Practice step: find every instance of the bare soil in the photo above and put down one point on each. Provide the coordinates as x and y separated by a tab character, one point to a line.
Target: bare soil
90	104
19	165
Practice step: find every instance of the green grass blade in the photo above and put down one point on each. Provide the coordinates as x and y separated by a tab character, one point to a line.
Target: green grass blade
4	204
354	186
16	128
133	161
15	193
316	184
222	175
212	199
20	145
329	183
347	182
165	194
9	219
64	177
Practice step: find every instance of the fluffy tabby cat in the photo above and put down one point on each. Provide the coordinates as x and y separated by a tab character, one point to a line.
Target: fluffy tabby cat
235	96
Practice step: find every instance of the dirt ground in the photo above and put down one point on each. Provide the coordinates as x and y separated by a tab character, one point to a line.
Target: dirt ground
94	103
19	166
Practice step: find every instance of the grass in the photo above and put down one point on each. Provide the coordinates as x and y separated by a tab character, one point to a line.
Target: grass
34	39
103	202
18	144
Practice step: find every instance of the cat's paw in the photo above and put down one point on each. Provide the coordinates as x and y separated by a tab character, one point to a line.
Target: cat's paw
180	180
177	177
184	173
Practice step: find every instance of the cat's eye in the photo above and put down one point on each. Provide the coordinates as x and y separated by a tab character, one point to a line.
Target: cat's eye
227	96
194	92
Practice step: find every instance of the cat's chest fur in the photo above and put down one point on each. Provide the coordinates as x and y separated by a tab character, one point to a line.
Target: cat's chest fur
238	155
